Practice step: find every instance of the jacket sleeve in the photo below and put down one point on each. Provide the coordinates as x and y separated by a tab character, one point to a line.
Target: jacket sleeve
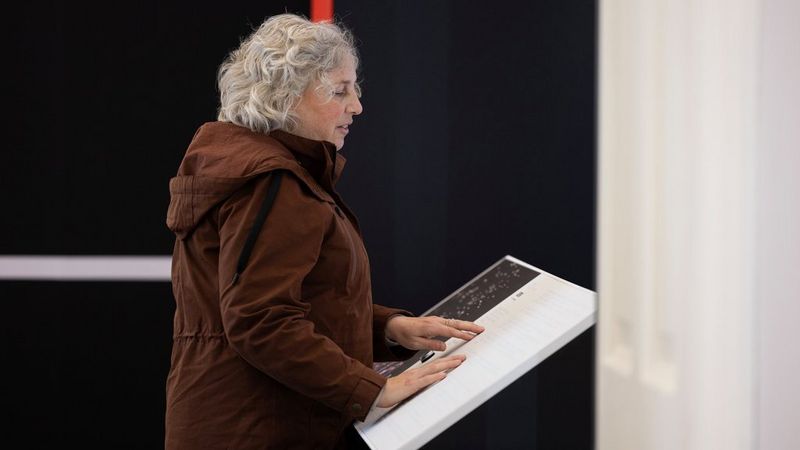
264	315
380	347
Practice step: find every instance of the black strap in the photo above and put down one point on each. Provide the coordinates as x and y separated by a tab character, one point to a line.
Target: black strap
258	223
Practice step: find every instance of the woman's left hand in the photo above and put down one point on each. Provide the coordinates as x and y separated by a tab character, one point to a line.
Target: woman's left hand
417	333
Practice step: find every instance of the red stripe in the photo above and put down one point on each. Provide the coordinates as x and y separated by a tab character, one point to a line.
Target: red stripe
321	10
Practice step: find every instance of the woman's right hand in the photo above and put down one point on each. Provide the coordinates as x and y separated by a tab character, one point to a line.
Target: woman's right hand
409	382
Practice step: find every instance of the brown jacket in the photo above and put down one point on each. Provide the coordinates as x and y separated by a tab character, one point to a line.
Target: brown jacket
282	358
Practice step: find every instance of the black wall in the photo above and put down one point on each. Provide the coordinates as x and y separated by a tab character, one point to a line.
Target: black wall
476	141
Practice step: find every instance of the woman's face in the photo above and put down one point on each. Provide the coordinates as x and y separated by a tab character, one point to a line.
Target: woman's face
328	120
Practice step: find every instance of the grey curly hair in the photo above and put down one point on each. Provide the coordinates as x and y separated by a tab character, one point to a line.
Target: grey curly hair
261	81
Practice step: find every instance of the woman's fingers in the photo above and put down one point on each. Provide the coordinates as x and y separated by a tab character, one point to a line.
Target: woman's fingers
418	333
430	344
460	329
467	326
447	363
428	380
452	332
437	370
407	384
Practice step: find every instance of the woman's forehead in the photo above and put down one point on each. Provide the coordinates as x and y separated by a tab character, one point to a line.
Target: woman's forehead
344	74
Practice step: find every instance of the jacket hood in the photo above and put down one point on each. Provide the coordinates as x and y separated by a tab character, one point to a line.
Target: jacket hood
222	157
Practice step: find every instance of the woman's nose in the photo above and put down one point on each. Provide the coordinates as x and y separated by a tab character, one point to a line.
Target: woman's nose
355	107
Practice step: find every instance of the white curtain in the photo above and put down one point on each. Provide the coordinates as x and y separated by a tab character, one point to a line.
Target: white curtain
690	161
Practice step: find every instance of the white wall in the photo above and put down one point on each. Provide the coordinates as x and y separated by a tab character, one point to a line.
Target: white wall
698	255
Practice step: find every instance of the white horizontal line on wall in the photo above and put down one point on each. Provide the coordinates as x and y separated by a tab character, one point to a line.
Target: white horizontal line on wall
86	268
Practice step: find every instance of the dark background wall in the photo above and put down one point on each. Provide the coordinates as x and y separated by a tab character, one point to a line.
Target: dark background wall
476	141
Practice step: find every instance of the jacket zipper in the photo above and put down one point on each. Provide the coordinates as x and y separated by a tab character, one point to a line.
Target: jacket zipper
353	252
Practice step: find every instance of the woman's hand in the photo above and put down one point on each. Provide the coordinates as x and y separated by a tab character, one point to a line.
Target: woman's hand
409	382
417	333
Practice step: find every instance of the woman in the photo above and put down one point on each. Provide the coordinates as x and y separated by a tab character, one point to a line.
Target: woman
275	331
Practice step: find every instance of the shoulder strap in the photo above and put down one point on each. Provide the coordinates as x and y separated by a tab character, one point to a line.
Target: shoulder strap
258	223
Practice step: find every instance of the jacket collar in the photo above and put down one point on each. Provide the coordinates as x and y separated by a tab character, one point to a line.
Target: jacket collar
319	158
